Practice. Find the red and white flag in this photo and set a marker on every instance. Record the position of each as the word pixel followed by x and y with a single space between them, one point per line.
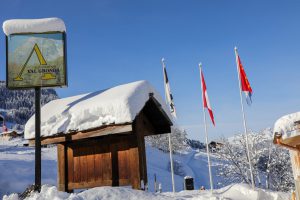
pixel 205 98
pixel 245 85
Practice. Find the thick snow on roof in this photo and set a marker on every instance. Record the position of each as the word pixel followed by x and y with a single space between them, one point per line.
pixel 285 125
pixel 33 25
pixel 117 105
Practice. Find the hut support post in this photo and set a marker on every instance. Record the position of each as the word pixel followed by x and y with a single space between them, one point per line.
pixel 142 159
pixel 134 168
pixel 140 130
pixel 62 166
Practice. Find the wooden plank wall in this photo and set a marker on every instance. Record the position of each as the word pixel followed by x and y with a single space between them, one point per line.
pixel 113 160
pixel 106 161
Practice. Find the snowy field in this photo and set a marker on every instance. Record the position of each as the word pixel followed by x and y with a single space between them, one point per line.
pixel 17 172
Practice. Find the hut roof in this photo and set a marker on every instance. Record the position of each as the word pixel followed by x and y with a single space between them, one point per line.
pixel 285 126
pixel 113 106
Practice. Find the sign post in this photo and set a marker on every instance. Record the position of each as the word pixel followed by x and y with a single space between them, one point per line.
pixel 38 156
pixel 35 58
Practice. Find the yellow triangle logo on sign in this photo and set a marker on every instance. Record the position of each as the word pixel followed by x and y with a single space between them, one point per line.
pixel 42 61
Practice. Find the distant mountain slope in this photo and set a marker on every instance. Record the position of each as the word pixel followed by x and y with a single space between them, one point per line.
pixel 17 106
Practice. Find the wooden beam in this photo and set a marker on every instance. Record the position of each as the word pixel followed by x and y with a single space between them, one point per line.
pixel 97 183
pixel 70 166
pixel 292 141
pixel 134 166
pixel 90 184
pixel 61 166
pixel 108 130
pixel 114 164
pixel 142 127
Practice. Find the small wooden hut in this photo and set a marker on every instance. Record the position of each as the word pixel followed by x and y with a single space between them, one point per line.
pixel 110 154
pixel 215 146
pixel 287 135
pixel 8 135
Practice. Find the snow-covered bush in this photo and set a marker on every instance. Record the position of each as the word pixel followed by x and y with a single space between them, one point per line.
pixel 271 164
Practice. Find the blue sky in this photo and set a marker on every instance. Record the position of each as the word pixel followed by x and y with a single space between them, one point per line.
pixel 112 42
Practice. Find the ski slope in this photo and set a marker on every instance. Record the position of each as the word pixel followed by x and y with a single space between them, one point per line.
pixel 193 163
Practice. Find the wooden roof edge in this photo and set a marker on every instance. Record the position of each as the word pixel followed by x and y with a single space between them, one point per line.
pixel 291 143
pixel 95 132
pixel 159 106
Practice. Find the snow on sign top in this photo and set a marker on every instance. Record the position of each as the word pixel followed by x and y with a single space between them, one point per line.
pixel 33 25
pixel 117 105
pixel 285 125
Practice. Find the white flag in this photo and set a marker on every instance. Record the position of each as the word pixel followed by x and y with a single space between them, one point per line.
pixel 168 93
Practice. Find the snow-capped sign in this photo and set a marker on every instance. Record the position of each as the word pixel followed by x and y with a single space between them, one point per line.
pixel 35 53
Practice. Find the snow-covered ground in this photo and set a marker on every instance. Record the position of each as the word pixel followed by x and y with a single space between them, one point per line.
pixel 231 192
pixel 193 163
pixel 17 166
pixel 17 172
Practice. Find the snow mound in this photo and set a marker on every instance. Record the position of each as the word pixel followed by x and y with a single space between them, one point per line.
pixel 232 192
pixel 33 25
pixel 285 125
pixel 117 105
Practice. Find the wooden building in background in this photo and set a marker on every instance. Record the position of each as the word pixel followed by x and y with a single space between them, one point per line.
pixel 112 155
pixel 9 135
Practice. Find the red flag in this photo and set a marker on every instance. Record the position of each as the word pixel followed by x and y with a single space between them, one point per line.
pixel 245 85
pixel 205 98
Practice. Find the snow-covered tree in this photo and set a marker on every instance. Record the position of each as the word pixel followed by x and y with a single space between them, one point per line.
pixel 178 139
pixel 271 164
pixel 17 106
pixel 195 144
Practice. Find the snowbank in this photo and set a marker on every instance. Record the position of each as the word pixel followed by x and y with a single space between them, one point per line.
pixel 232 192
pixel 33 25
pixel 285 125
pixel 117 105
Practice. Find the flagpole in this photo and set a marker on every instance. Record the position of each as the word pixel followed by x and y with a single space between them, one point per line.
pixel 169 135
pixel 244 120
pixel 206 136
